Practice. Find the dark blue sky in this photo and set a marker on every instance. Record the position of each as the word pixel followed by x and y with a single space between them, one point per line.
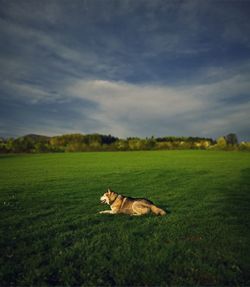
pixel 125 67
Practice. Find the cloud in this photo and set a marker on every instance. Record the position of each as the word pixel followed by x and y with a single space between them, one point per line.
pixel 28 92
pixel 189 109
pixel 131 99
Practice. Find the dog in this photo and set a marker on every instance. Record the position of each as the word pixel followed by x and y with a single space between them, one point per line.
pixel 128 205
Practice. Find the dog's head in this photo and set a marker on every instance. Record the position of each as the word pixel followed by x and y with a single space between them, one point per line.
pixel 108 197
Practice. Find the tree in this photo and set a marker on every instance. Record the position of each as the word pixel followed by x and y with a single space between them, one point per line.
pixel 244 146
pixel 40 147
pixel 95 145
pixel 3 148
pixel 221 143
pixel 150 143
pixel 76 146
pixel 121 145
pixel 163 145
pixel 231 139
pixel 136 144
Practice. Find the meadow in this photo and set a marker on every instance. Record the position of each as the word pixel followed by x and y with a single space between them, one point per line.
pixel 52 233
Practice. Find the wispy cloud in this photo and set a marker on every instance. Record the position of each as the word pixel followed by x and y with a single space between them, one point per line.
pixel 130 105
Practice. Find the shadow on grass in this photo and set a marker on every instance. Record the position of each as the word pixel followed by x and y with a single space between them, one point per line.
pixel 237 212
pixel 238 200
pixel 7 156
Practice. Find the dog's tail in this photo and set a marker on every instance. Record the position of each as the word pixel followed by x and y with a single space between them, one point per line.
pixel 158 211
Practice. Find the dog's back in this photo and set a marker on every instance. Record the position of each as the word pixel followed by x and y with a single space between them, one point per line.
pixel 139 206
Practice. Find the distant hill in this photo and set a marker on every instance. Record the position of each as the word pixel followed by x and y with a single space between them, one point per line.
pixel 35 138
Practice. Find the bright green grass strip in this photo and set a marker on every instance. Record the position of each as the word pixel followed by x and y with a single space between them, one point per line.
pixel 51 233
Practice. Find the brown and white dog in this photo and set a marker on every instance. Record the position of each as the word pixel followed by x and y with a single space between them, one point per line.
pixel 128 205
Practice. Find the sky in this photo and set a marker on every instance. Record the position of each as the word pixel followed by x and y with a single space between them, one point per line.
pixel 125 67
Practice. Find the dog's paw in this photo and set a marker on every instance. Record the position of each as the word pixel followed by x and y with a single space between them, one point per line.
pixel 100 212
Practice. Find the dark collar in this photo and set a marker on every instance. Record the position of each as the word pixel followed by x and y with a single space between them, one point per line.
pixel 113 201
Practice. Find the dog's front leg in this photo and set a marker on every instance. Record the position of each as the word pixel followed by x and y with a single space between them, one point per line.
pixel 107 211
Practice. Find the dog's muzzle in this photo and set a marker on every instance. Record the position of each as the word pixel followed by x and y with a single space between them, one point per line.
pixel 103 199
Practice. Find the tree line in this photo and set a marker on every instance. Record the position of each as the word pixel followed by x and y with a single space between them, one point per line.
pixel 96 142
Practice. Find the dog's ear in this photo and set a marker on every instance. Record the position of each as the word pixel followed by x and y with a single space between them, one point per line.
pixel 109 190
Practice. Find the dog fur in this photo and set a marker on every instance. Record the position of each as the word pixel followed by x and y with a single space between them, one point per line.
pixel 128 205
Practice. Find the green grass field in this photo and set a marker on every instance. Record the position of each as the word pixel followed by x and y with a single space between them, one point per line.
pixel 52 234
